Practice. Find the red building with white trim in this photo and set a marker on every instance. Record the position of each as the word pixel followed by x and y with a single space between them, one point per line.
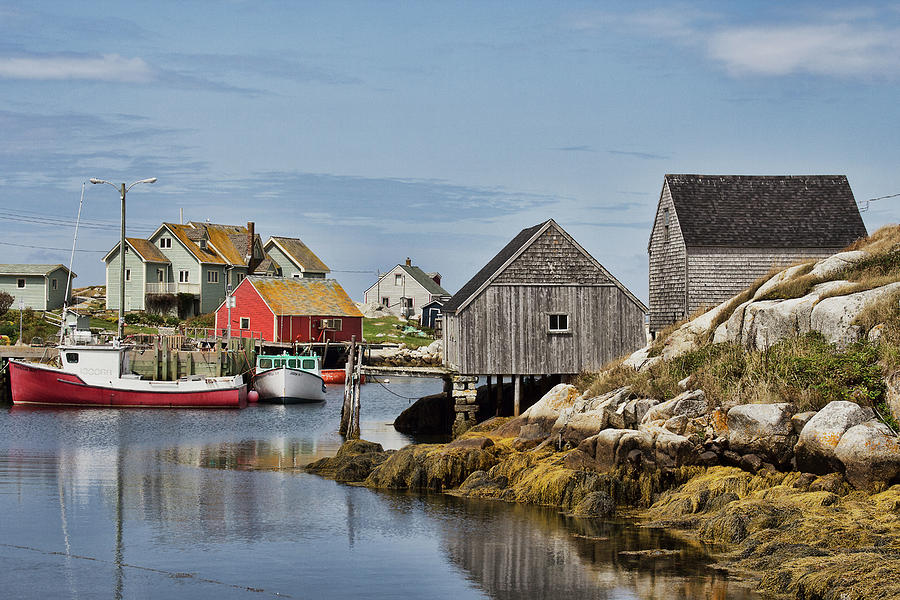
pixel 291 310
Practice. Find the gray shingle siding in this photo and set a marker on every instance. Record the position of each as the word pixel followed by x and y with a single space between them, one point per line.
pixel 668 267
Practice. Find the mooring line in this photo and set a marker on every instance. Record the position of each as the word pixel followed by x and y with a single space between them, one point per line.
pixel 173 575
pixel 390 390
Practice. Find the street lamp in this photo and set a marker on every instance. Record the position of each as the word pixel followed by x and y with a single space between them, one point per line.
pixel 122 191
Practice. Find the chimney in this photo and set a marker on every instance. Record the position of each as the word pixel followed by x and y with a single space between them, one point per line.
pixel 251 236
pixel 408 262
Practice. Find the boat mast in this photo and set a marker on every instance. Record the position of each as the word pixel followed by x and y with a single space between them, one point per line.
pixel 62 323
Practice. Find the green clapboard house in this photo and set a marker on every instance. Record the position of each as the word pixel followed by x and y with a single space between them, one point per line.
pixel 41 287
pixel 193 263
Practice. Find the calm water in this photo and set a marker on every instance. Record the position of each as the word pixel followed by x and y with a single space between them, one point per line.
pixel 184 504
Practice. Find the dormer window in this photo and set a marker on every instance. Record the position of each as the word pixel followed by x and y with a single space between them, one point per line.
pixel 203 244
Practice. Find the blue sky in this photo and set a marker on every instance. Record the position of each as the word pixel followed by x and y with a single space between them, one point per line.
pixel 435 130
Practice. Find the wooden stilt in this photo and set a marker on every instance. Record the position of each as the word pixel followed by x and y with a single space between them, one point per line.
pixel 517 394
pixel 499 395
pixel 346 407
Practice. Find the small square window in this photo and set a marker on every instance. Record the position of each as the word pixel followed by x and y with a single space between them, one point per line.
pixel 245 322
pixel 559 323
pixel 212 277
pixel 20 283
pixel 183 276
pixel 165 242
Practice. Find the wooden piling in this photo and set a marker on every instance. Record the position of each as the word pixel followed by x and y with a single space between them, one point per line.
pixel 346 407
pixel 517 394
pixel 354 416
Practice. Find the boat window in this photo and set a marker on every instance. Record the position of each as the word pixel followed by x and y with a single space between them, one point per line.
pixel 309 364
pixel 71 357
pixel 265 363
pixel 279 362
pixel 292 364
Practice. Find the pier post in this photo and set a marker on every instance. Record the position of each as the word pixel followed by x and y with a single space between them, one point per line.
pixel 517 394
pixel 465 403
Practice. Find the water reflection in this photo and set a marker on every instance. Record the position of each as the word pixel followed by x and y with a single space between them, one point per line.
pixel 209 505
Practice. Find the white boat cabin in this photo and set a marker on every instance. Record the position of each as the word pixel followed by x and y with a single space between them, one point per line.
pixel 97 364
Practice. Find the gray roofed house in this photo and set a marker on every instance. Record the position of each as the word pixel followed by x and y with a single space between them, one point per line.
pixel 295 258
pixel 405 289
pixel 41 287
pixel 713 235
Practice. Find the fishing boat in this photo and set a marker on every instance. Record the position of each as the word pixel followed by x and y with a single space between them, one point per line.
pixel 100 375
pixel 287 379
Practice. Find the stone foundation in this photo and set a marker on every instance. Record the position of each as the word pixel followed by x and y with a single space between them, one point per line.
pixel 465 403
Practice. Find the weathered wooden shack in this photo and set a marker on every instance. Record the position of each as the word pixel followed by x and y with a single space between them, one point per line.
pixel 713 235
pixel 542 306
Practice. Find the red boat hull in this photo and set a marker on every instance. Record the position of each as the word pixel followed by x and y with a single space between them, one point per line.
pixel 37 385
pixel 337 376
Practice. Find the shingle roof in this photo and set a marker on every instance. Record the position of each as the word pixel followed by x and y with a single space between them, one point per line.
pixel 491 267
pixel 430 285
pixel 183 233
pixel 312 297
pixel 24 269
pixel 300 254
pixel 790 211
pixel 147 250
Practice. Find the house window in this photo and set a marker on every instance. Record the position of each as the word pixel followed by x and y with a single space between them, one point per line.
pixel 165 242
pixel 20 283
pixel 240 277
pixel 559 323
pixel 398 279
pixel 665 224
pixel 297 275
pixel 127 274
pixel 385 301
pixel 245 322
pixel 212 277
pixel 406 302
pixel 160 275
pixel 54 284
pixel 183 276
pixel 334 324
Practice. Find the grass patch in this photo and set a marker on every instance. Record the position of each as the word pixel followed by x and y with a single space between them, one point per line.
pixel 807 371
pixel 389 330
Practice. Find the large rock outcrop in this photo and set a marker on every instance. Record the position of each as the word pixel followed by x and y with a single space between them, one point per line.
pixel 822 433
pixel 765 430
pixel 870 453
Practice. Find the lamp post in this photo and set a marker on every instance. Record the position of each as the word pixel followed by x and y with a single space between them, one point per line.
pixel 122 191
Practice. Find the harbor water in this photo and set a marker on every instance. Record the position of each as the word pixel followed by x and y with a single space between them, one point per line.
pixel 98 503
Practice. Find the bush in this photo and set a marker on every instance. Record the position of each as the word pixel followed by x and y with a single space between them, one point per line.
pixel 6 300
pixel 153 319
pixel 173 321
pixel 133 318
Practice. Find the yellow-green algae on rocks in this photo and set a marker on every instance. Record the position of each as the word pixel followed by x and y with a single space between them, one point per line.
pixel 799 535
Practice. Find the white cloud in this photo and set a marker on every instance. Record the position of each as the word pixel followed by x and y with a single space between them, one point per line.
pixel 107 67
pixel 832 50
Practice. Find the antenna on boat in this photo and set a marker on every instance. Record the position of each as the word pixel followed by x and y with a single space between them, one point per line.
pixel 68 290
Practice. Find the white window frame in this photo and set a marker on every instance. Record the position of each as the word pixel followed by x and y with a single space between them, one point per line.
pixel 160 276
pixel 385 301
pixel 20 283
pixel 212 276
pixel 297 275
pixel 245 323
pixel 554 324
pixel 165 242
pixel 398 279
pixel 184 276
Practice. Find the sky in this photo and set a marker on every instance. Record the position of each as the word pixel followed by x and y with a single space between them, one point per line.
pixel 376 131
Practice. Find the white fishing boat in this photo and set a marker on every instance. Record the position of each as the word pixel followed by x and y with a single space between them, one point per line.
pixel 286 379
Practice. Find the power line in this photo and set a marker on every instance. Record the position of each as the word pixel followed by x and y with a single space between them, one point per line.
pixel 49 248
pixel 865 207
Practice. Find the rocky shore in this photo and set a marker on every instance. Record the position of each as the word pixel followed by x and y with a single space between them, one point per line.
pixel 790 494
